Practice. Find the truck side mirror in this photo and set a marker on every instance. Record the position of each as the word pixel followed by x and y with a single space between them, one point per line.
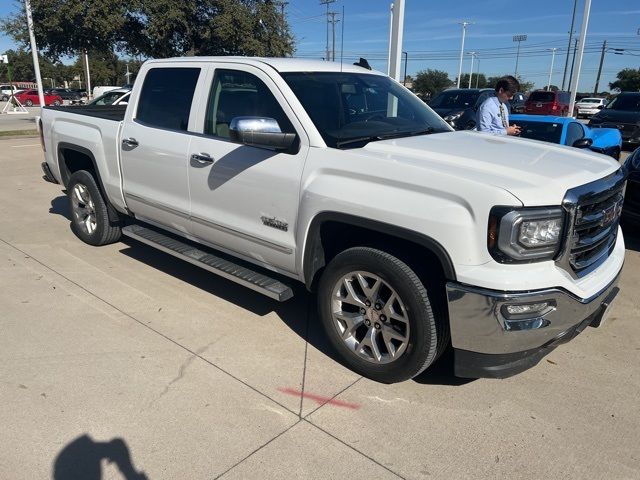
pixel 583 143
pixel 260 132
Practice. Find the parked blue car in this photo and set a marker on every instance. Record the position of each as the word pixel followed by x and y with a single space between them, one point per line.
pixel 568 131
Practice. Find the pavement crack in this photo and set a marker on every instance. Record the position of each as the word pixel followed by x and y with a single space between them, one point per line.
pixel 181 371
pixel 306 350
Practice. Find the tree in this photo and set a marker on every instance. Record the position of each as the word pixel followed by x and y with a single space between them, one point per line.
pixel 431 82
pixel 155 28
pixel 628 80
pixel 21 63
pixel 69 27
pixel 479 79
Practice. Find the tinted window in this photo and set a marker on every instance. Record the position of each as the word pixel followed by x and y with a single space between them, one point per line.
pixel 455 99
pixel 628 102
pixel 574 132
pixel 350 109
pixel 545 131
pixel 542 97
pixel 240 94
pixel 165 99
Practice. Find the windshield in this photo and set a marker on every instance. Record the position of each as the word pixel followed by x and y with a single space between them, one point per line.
pixel 346 107
pixel 107 99
pixel 455 99
pixel 545 131
pixel 629 103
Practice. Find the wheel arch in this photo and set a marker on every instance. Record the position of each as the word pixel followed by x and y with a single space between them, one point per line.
pixel 72 158
pixel 321 245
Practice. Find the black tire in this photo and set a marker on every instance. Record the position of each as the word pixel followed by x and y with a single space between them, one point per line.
pixel 428 336
pixel 105 231
pixel 616 154
pixel 28 103
pixel 57 103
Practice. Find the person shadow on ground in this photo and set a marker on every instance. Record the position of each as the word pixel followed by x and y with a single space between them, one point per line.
pixel 82 459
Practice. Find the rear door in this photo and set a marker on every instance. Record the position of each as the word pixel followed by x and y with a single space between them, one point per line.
pixel 245 199
pixel 156 141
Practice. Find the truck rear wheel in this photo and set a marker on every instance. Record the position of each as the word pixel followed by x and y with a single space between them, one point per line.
pixel 89 218
pixel 378 317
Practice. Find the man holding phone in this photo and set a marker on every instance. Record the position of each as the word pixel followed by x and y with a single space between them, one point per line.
pixel 493 114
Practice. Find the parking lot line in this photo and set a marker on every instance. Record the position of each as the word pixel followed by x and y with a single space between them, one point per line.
pixel 30 145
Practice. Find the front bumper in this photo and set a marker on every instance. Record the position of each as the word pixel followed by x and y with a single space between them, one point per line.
pixel 488 344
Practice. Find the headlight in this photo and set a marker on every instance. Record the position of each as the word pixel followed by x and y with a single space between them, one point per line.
pixel 453 116
pixel 525 234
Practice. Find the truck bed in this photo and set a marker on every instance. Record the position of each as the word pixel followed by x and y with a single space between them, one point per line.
pixel 107 112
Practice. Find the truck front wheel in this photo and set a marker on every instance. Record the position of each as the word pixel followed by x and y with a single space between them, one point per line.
pixel 89 218
pixel 378 317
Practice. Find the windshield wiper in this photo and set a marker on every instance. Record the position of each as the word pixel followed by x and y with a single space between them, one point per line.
pixel 373 138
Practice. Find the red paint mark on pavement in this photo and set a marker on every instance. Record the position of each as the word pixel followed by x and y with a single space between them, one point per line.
pixel 319 399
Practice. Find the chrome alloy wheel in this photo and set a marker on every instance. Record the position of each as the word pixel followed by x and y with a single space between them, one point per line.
pixel 370 317
pixel 84 213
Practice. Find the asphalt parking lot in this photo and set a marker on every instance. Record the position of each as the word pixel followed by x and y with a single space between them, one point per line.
pixel 122 360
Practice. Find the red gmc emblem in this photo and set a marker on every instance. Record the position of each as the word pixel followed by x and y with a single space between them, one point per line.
pixel 611 213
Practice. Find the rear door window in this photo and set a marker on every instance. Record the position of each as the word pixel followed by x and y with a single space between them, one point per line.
pixel 166 97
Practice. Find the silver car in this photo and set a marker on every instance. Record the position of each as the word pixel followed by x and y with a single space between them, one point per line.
pixel 589 106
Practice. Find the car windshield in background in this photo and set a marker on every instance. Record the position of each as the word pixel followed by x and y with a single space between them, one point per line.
pixel 352 109
pixel 107 99
pixel 629 103
pixel 455 99
pixel 545 131
pixel 542 97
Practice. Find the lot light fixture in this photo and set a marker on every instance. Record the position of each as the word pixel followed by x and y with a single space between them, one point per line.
pixel 519 39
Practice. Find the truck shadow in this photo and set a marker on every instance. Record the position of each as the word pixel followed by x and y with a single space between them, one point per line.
pixel 60 206
pixel 632 238
pixel 82 459
pixel 299 313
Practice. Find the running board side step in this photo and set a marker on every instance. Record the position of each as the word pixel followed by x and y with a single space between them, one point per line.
pixel 258 282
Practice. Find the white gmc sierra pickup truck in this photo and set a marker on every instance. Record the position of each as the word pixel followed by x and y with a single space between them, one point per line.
pixel 414 237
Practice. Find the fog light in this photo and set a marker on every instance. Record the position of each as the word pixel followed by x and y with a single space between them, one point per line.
pixel 531 309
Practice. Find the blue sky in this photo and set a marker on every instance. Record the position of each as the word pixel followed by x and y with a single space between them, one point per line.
pixel 432 34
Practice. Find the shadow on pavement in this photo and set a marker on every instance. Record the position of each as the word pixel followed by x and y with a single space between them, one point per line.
pixel 82 459
pixel 631 237
pixel 299 313
pixel 60 206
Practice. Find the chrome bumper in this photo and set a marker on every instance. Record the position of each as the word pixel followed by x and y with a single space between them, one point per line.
pixel 479 320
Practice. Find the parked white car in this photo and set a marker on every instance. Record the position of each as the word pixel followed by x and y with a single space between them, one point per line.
pixel 5 91
pixel 414 237
pixel 589 106
pixel 99 91
pixel 118 96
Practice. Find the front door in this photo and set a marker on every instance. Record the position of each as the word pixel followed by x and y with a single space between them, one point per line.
pixel 155 146
pixel 245 199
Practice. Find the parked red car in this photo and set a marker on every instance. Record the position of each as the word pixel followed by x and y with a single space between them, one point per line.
pixel 29 98
pixel 542 102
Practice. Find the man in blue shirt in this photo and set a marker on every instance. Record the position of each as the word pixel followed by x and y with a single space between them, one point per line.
pixel 493 115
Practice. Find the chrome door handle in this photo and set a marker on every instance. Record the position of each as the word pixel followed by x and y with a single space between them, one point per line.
pixel 202 158
pixel 129 142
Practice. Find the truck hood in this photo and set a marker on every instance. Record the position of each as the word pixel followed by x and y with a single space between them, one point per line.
pixel 537 173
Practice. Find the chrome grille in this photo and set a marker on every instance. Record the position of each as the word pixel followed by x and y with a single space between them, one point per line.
pixel 593 212
pixel 594 231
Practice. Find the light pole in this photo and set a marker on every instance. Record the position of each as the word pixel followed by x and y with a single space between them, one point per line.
pixel 478 72
pixel 327 2
pixel 519 39
pixel 583 35
pixel 406 60
pixel 617 51
pixel 464 32
pixel 473 55
pixel 553 57
pixel 566 62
